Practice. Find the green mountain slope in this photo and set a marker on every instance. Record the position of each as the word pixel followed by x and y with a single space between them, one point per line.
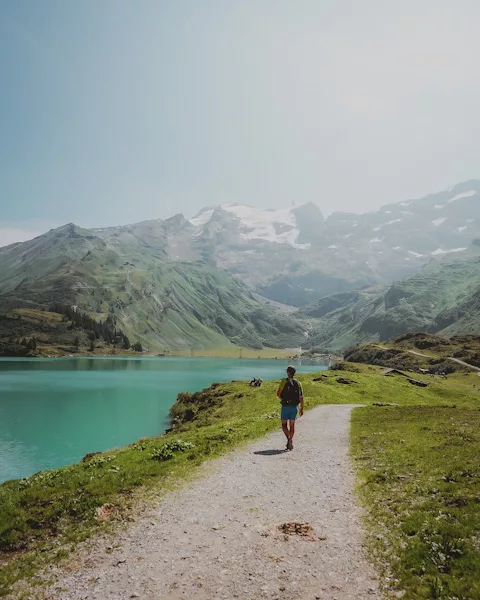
pixel 442 298
pixel 128 275
pixel 203 283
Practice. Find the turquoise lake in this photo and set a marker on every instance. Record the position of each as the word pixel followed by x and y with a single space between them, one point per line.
pixel 54 411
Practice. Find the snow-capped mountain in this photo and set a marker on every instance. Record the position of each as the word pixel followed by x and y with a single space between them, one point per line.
pixel 295 254
pixel 180 282
pixel 280 226
pixel 448 217
pixel 290 255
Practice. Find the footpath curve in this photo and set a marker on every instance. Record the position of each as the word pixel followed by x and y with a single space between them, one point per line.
pixel 457 360
pixel 218 538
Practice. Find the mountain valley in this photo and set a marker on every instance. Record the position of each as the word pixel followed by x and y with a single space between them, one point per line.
pixel 235 274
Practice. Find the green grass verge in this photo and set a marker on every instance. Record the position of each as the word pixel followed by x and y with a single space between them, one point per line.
pixel 43 516
pixel 419 473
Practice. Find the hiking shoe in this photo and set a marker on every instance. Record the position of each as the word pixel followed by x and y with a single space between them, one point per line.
pixel 290 444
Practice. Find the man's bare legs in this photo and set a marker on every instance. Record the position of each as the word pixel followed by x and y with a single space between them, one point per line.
pixel 291 424
pixel 289 431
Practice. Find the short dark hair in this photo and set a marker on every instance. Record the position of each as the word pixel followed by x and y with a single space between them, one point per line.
pixel 291 369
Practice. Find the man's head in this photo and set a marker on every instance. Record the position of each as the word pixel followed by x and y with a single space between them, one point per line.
pixel 291 370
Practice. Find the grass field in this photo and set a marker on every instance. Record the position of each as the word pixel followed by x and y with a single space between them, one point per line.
pixel 54 339
pixel 237 352
pixel 419 472
pixel 416 351
pixel 32 315
pixel 402 453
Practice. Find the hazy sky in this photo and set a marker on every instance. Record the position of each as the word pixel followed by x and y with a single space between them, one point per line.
pixel 113 111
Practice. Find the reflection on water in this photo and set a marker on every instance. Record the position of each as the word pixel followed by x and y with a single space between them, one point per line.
pixel 53 412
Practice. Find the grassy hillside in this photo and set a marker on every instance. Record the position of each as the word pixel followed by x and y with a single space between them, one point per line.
pixel 421 351
pixel 31 332
pixel 408 479
pixel 443 298
pixel 163 304
pixel 167 296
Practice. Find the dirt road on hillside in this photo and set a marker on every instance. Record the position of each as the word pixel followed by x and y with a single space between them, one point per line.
pixel 218 537
pixel 457 360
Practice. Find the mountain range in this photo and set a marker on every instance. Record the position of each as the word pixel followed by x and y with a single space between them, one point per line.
pixel 236 274
pixel 310 257
pixel 443 298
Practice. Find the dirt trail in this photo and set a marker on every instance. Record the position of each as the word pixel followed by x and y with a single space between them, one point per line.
pixel 465 364
pixel 218 537
pixel 457 360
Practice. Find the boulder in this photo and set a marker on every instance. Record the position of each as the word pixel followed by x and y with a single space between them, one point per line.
pixel 415 382
pixel 346 381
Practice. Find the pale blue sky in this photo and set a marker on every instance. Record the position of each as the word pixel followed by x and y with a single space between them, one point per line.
pixel 113 111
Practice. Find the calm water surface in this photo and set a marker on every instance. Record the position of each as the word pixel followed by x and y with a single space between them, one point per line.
pixel 53 412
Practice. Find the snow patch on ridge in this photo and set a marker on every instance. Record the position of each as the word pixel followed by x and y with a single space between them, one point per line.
pixel 439 251
pixel 261 224
pixel 202 218
pixel 464 195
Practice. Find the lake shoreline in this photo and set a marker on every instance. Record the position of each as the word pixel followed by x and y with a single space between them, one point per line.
pixel 94 403
pixel 240 354
pixel 265 353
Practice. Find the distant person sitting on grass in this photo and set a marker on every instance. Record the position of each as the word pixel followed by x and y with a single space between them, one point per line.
pixel 291 395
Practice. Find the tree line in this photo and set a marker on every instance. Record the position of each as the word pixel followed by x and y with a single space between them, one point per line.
pixel 96 330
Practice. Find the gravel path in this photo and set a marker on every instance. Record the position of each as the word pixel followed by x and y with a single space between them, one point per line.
pixel 218 537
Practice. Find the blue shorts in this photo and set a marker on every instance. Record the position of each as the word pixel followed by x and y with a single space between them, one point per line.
pixel 289 413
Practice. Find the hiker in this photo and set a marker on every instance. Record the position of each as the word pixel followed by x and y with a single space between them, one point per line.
pixel 290 394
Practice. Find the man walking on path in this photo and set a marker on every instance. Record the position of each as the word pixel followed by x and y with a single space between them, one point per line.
pixel 291 395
